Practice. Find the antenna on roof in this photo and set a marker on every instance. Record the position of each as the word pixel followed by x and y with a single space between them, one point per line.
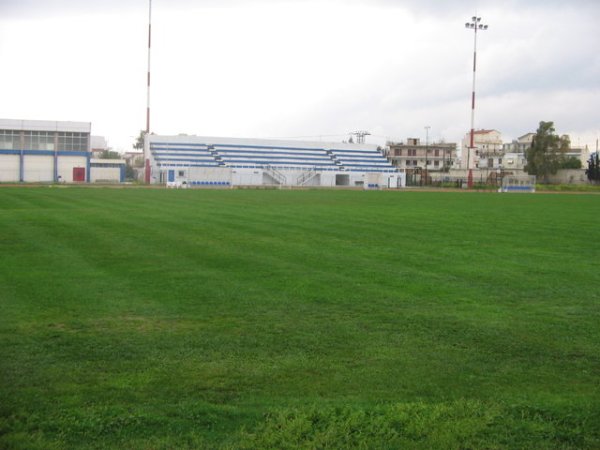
pixel 360 136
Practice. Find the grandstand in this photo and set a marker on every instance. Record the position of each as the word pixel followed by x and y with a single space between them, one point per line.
pixel 194 161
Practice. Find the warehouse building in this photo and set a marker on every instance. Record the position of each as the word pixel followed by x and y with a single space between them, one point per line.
pixel 39 151
pixel 194 161
pixel 44 151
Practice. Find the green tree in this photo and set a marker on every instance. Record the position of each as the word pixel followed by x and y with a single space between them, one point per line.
pixel 546 153
pixel 593 170
pixel 129 173
pixel 109 154
pixel 139 141
pixel 571 162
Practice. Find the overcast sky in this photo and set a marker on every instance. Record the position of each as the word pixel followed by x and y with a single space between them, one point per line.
pixel 303 68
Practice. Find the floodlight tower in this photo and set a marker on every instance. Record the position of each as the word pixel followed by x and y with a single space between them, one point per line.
pixel 149 47
pixel 147 168
pixel 474 25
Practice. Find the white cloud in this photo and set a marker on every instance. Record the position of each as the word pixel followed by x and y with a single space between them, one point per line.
pixel 298 68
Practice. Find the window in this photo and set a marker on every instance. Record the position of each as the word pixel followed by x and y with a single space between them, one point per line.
pixel 398 152
pixel 436 163
pixel 437 153
pixel 77 142
pixel 10 140
pixel 181 173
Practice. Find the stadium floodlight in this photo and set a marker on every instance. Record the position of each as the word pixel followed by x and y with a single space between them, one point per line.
pixel 147 163
pixel 474 25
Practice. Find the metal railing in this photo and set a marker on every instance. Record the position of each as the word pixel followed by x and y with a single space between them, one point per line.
pixel 306 177
pixel 279 177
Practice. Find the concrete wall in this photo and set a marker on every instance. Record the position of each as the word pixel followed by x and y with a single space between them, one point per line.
pixel 66 165
pixel 105 174
pixel 198 176
pixel 9 168
pixel 570 176
pixel 246 177
pixel 38 168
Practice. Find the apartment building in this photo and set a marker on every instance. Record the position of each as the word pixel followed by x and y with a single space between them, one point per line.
pixel 413 154
pixel 487 150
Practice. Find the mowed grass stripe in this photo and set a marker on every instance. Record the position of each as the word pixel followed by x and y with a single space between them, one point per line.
pixel 161 318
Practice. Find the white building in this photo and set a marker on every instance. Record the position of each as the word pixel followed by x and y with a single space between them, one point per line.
pixel 40 151
pixel 195 161
pixel 514 161
pixel 519 145
pixel 44 151
pixel 580 153
pixel 414 154
pixel 486 152
pixel 107 170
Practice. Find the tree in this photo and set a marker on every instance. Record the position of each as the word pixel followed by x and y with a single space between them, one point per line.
pixel 129 173
pixel 546 153
pixel 571 162
pixel 139 141
pixel 109 154
pixel 593 170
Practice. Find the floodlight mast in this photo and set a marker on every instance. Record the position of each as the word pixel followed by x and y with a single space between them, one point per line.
pixel 147 165
pixel 474 25
pixel 149 47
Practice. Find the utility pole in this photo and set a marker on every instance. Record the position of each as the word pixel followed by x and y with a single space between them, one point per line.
pixel 474 25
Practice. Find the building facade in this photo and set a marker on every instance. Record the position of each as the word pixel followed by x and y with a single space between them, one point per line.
pixel 107 170
pixel 44 151
pixel 487 151
pixel 413 154
pixel 519 145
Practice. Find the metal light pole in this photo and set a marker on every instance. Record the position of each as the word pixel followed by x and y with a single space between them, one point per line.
pixel 147 168
pixel 149 46
pixel 474 25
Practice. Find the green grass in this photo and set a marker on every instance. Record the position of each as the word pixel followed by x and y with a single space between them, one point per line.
pixel 151 319
pixel 568 187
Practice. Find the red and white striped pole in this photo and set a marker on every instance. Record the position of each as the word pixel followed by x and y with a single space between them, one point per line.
pixel 147 171
pixel 475 25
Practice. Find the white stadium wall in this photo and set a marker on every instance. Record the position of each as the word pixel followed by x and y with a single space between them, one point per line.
pixel 244 177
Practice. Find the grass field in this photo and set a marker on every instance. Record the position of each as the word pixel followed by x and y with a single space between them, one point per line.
pixel 158 319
